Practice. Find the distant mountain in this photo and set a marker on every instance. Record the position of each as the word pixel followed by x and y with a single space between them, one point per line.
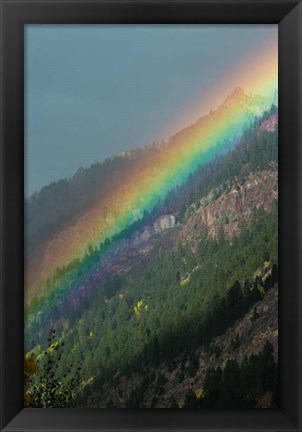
pixel 68 215
pixel 244 107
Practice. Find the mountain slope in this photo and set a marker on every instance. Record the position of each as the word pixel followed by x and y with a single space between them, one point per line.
pixel 237 201
pixel 167 288
pixel 99 202
pixel 246 337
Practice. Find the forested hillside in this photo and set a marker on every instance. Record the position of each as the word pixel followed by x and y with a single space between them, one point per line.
pixel 141 310
pixel 65 216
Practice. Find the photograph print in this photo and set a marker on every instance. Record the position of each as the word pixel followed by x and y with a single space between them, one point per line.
pixel 151 216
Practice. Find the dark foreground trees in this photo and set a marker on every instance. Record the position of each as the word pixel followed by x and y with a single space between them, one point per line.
pixel 43 387
pixel 253 384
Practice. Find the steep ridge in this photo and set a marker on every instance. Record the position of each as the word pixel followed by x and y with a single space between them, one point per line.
pixel 153 173
pixel 236 206
pixel 231 204
pixel 176 291
pixel 231 210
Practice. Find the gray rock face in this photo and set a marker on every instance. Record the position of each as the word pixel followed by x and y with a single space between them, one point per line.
pixel 163 223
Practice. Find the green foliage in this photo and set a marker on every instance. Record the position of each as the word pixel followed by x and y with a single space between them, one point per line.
pixel 47 390
pixel 55 206
pixel 241 386
pixel 178 319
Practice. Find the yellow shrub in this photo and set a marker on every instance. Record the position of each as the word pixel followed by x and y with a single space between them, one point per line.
pixel 140 307
pixel 184 282
pixel 261 289
pixel 199 394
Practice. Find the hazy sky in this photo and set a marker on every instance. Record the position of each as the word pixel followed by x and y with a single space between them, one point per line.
pixel 94 91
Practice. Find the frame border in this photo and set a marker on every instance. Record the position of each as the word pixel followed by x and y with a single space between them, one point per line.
pixel 14 14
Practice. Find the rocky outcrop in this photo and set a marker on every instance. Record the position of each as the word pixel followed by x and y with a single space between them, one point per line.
pixel 229 210
pixel 234 207
pixel 269 125
pixel 128 255
pixel 163 223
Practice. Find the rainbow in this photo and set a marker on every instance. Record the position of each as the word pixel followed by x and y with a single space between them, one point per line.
pixel 153 177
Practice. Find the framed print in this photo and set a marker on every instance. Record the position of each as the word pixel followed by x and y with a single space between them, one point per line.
pixel 150 215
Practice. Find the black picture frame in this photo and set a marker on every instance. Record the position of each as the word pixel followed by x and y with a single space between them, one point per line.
pixel 14 14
